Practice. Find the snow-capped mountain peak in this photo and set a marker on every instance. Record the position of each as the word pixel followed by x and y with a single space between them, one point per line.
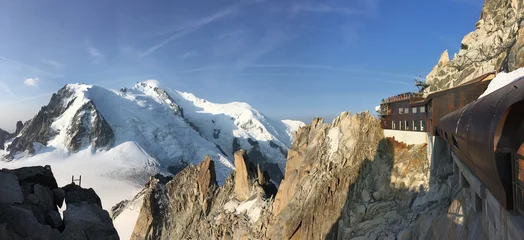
pixel 117 139
pixel 169 128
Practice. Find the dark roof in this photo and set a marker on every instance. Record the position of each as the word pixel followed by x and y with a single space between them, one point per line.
pixel 485 77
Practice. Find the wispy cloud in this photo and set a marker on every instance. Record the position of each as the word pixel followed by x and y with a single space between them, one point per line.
pixel 187 55
pixel 472 2
pixel 95 54
pixel 52 63
pixel 7 90
pixel 323 7
pixel 331 68
pixel 229 34
pixel 21 64
pixel 355 7
pixel 37 70
pixel 191 27
pixel 18 100
pixel 301 66
pixel 196 70
pixel 32 82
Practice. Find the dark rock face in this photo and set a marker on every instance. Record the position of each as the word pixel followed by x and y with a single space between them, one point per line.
pixel 76 194
pixel 19 127
pixel 4 136
pixel 28 208
pixel 35 175
pixel 207 182
pixel 38 129
pixel 257 158
pixel 89 127
pixel 10 191
pixel 165 96
pixel 118 208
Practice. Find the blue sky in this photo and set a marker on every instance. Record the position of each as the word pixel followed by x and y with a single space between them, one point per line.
pixel 291 59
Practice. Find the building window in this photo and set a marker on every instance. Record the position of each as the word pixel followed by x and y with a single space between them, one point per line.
pixel 422 125
pixel 400 110
pixel 392 124
pixel 423 109
pixel 407 125
pixel 414 110
pixel 414 126
pixel 406 110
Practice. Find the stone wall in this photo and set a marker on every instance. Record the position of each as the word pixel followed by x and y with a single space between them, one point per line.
pixel 408 137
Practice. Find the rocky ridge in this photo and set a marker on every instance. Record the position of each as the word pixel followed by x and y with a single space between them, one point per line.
pixel 342 181
pixel 29 201
pixel 495 45
pixel 88 126
pixel 6 136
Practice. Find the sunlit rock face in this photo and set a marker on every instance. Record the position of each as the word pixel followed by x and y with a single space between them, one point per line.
pixel 345 180
pixel 495 45
pixel 342 180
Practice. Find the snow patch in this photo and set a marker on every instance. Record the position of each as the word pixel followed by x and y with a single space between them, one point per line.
pixel 333 140
pixel 153 83
pixel 502 79
pixel 236 121
pixel 252 208
pixel 126 220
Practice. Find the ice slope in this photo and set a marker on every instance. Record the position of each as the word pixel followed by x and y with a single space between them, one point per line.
pixel 225 123
pixel 502 79
pixel 142 116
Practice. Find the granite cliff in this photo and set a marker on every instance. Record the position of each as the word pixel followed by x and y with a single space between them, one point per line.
pixel 495 45
pixel 342 181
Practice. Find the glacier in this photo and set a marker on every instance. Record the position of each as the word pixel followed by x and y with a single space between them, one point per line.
pixel 154 130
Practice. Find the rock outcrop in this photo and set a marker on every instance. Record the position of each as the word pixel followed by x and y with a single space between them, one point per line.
pixel 495 45
pixel 343 180
pixel 39 128
pixel 89 128
pixel 29 201
pixel 243 180
pixel 5 136
pixel 191 206
pixel 19 127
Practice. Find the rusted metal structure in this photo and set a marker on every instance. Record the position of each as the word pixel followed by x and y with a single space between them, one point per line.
pixel 414 112
pixel 445 101
pixel 488 136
